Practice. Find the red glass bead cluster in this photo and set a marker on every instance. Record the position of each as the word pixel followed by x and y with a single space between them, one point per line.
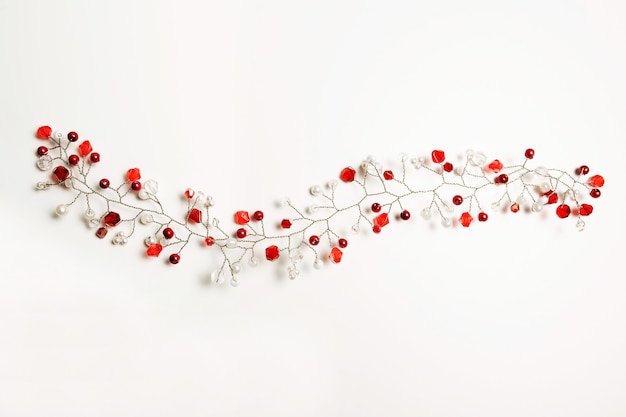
pixel 386 196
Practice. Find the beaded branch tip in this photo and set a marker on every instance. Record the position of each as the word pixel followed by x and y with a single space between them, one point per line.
pixel 452 194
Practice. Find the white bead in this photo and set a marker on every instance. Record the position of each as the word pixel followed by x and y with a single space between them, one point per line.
pixel 295 256
pixel 313 208
pixel 215 276
pixel 231 243
pixel 293 271
pixel 89 213
pixel 425 213
pixel 541 171
pixel 445 222
pixel 151 186
pixel 61 210
pixel 146 218
pixel 235 268
pixel 544 187
pixel 413 161
pixel 58 135
pixel 150 240
pixel 315 190
pixel 69 183
pixel 537 206
pixel 318 264
pixel 94 223
pixel 44 163
pixel 209 202
pixel 477 159
pixel 143 194
pixel 200 196
pixel 234 282
pixel 253 261
pixel 356 228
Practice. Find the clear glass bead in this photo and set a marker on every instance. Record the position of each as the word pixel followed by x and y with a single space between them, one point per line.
pixel 44 163
pixel 295 256
pixel 478 159
pixel 94 223
pixel 580 225
pixel 151 186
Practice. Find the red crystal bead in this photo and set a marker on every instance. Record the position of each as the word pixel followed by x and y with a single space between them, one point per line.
pixel 101 232
pixel 457 200
pixel 347 174
pixel 388 175
pixel 495 166
pixel 466 219
pixel 258 215
pixel 85 148
pixel 60 173
pixel 104 183
pixel 514 207
pixel 72 136
pixel 482 216
pixel 405 215
pixel 381 220
pixel 314 240
pixel 189 193
pixel 582 170
pixel 376 228
pixel 448 167
pixel 596 181
pixel 168 233
pixel 553 198
pixel 133 174
pixel 242 217
pixel 272 253
pixel 210 240
pixel 376 207
pixel 335 255
pixel 285 224
pixel 342 243
pixel 135 185
pixel 195 216
pixel 73 159
pixel 563 211
pixel 112 218
pixel 502 179
pixel 241 233
pixel 585 209
pixel 44 132
pixel 174 258
pixel 42 150
pixel 438 156
pixel 595 193
pixel 94 157
pixel 530 153
pixel 154 249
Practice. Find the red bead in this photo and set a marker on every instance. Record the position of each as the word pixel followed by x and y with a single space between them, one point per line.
pixel 585 209
pixel 457 200
pixel 133 174
pixel 60 173
pixel 154 249
pixel 189 193
pixel 466 219
pixel 210 240
pixel 135 185
pixel 438 156
pixel 342 243
pixel 502 179
pixel 376 228
pixel 595 193
pixel 405 215
pixel 563 211
pixel 285 224
pixel 448 167
pixel 495 166
pixel 347 174
pixel 101 232
pixel 104 183
pixel 335 255
pixel 553 198
pixel 94 157
pixel 314 240
pixel 272 253
pixel 482 216
pixel 174 258
pixel 388 175
pixel 44 132
pixel 514 207
pixel 376 207
pixel 596 181
pixel 168 233
pixel 42 150
pixel 582 170
pixel 73 159
pixel 530 153
pixel 85 148
pixel 72 136
pixel 381 220
pixel 112 219
pixel 241 233
pixel 242 217
pixel 195 216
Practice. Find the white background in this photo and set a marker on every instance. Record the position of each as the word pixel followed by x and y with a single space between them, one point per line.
pixel 254 100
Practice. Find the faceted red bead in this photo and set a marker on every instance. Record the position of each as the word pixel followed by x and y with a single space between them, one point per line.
pixel 342 243
pixel 376 207
pixel 168 233
pixel 133 174
pixel 73 159
pixel 285 224
pixel 242 217
pixel 94 157
pixel 195 216
pixel 457 200
pixel 154 249
pixel 405 215
pixel 466 219
pixel 563 211
pixel 189 193
pixel 85 148
pixel 42 150
pixel 530 153
pixel 101 232
pixel 585 209
pixel 438 156
pixel 174 258
pixel 314 240
pixel 44 132
pixel 582 170
pixel 210 240
pixel 112 218
pixel 272 253
pixel 347 174
pixel 376 228
pixel 335 255
pixel 60 173
pixel 495 166
pixel 104 183
pixel 135 185
pixel 502 179
pixel 388 175
pixel 72 136
pixel 553 198
pixel 595 193
pixel 381 220
pixel 514 207
pixel 482 216
pixel 241 233
pixel 258 215
pixel 596 181
pixel 448 167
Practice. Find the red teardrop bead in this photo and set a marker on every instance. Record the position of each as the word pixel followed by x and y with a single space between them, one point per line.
pixel 195 216
pixel 563 211
pixel 44 132
pixel 347 174
pixel 596 181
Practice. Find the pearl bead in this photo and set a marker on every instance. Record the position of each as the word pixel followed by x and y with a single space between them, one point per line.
pixel 544 187
pixel 425 213
pixel 231 243
pixel 537 206
pixel 143 194
pixel 313 208
pixel 215 277
pixel 234 282
pixel 58 135
pixel 315 190
pixel 235 268
pixel 89 213
pixel 318 264
pixel 253 261
pixel 445 222
pixel 146 218
pixel 61 210
pixel 150 240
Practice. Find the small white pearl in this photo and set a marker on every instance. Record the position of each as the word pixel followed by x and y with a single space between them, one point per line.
pixel 146 218
pixel 253 262
pixel 544 187
pixel 445 222
pixel 313 208
pixel 315 190
pixel 89 213
pixel 234 282
pixel 58 135
pixel 231 243
pixel 235 268
pixel 318 264
pixel 150 240
pixel 69 183
pixel 61 210
pixel 537 206
pixel 425 213
pixel 215 277
pixel 143 194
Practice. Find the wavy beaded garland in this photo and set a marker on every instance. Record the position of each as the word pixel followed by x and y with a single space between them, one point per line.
pixel 382 196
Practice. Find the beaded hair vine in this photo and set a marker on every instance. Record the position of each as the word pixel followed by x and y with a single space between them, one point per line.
pixel 382 196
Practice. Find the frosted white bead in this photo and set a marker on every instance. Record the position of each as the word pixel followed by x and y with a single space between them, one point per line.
pixel 315 190
pixel 61 210
pixel 143 194
pixel 146 218
pixel 541 171
pixel 151 186
pixel 445 222
pixel 544 187
pixel 477 159
pixel 231 243
pixel 318 264
pixel 356 228
pixel 235 268
pixel 425 213
pixel 253 261
pixel 89 213
pixel 44 163
pixel 295 256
